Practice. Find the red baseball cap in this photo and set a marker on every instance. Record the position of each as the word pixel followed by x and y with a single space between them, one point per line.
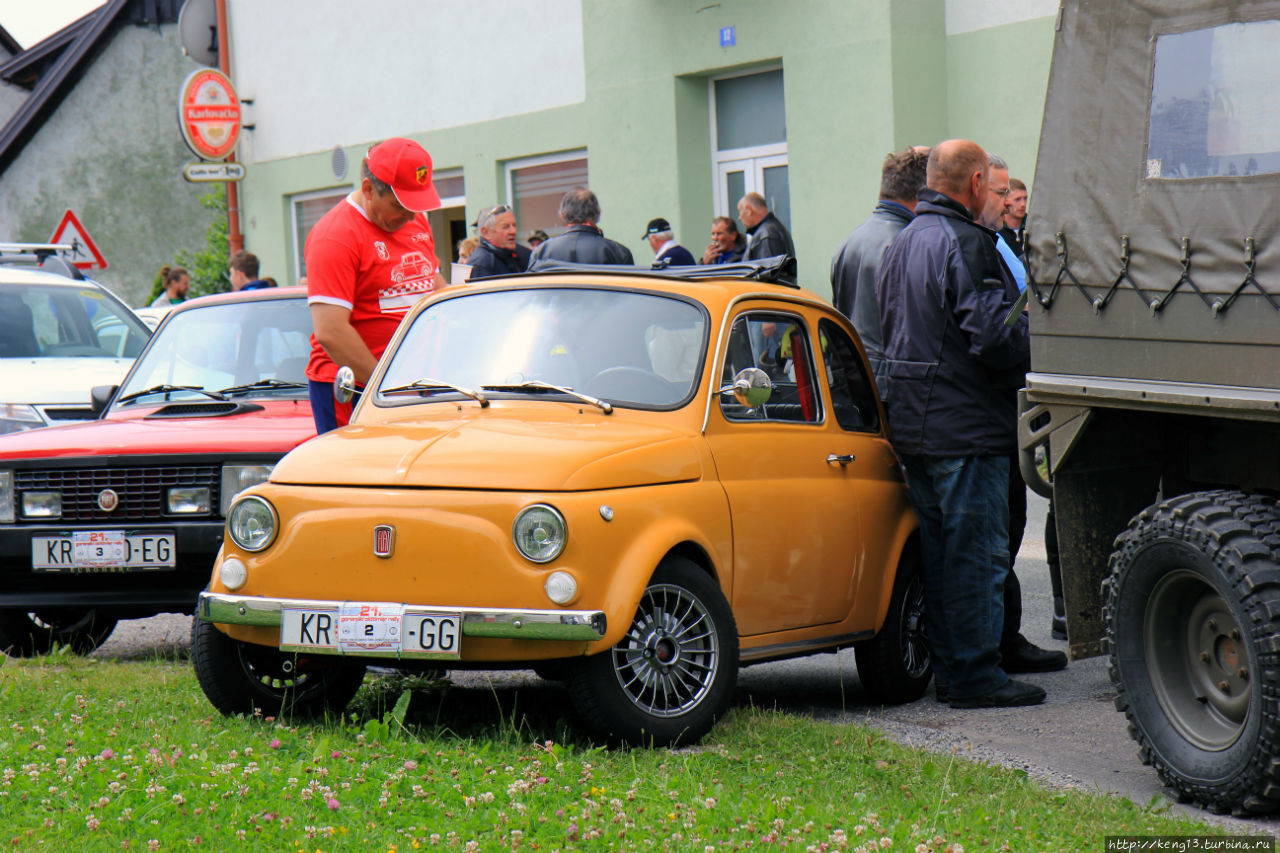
pixel 406 167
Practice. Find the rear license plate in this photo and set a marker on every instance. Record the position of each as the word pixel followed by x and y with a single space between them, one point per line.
pixel 372 629
pixel 103 550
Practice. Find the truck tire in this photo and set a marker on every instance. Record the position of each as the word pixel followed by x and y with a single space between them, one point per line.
pixel 1192 612
pixel 672 675
pixel 26 634
pixel 894 665
pixel 245 678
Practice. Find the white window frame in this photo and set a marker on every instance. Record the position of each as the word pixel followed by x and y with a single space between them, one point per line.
pixel 541 160
pixel 453 200
pixel 765 156
pixel 340 191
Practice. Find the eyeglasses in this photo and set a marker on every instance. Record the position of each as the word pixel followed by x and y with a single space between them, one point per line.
pixel 1004 193
pixel 487 215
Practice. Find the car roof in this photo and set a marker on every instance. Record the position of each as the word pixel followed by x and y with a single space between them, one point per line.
pixel 18 275
pixel 257 295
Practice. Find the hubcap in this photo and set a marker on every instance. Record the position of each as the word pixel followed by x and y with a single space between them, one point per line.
pixel 1198 660
pixel 915 649
pixel 669 658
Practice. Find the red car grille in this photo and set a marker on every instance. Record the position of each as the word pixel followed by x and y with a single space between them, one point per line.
pixel 141 491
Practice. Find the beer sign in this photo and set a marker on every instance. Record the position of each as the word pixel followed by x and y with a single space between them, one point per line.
pixel 209 114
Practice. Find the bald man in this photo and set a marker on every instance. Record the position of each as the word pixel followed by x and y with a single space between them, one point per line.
pixel 953 368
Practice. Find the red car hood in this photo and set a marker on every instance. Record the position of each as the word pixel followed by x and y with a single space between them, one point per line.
pixel 278 427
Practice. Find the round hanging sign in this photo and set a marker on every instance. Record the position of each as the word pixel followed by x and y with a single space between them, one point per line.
pixel 209 113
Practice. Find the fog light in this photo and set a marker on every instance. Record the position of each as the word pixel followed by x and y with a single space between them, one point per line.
pixel 561 587
pixel 41 504
pixel 232 573
pixel 189 500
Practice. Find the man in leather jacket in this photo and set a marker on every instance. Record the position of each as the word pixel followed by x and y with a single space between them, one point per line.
pixel 584 242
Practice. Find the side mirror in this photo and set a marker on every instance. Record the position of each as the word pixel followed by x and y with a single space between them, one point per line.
pixel 344 385
pixel 751 387
pixel 100 396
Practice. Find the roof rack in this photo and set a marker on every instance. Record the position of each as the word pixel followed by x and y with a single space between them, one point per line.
pixel 47 256
pixel 779 269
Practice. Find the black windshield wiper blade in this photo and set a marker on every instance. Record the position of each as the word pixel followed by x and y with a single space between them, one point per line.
pixel 538 386
pixel 261 384
pixel 165 389
pixel 427 385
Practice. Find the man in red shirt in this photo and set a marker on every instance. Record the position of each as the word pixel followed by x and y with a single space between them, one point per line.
pixel 368 260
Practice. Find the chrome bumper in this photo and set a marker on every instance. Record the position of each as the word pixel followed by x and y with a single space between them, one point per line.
pixel 569 625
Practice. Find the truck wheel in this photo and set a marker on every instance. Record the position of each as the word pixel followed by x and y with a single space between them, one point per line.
pixel 894 665
pixel 24 634
pixel 672 675
pixel 1190 603
pixel 245 678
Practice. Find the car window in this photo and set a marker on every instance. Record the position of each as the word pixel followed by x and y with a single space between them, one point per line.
pixel 634 349
pixel 778 344
pixel 853 398
pixel 66 322
pixel 222 346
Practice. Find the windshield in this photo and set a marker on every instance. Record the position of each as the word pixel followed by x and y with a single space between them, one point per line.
pixel 632 349
pixel 39 321
pixel 238 349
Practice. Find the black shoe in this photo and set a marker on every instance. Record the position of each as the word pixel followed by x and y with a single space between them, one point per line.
pixel 942 694
pixel 1013 694
pixel 1023 656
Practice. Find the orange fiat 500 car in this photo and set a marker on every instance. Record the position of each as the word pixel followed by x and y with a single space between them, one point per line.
pixel 638 480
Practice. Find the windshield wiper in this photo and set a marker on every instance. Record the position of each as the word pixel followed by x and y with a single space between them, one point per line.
pixel 427 385
pixel 261 384
pixel 539 386
pixel 165 389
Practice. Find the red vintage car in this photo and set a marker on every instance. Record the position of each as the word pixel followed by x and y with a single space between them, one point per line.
pixel 121 517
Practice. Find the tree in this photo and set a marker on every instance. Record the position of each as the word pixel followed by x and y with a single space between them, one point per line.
pixel 207 266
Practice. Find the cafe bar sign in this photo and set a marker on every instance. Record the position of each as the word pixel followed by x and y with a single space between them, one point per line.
pixel 209 114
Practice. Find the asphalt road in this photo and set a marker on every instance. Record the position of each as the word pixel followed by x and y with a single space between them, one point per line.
pixel 1076 739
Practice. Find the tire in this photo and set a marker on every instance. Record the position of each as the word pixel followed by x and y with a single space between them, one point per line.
pixel 894 666
pixel 25 634
pixel 246 678
pixel 1192 612
pixel 668 680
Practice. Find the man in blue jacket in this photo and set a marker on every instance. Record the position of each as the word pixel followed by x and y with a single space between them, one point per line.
pixel 953 367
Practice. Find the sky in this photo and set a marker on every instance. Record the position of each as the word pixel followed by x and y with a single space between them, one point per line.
pixel 29 21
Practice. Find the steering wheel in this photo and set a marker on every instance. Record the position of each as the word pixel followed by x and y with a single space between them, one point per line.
pixel 632 384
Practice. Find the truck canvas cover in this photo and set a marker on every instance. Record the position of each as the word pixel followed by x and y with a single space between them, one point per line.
pixel 1153 237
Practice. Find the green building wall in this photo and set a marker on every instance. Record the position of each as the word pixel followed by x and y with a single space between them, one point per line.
pixel 862 78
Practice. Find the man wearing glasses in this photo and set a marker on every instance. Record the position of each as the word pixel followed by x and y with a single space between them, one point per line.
pixel 993 217
pixel 498 252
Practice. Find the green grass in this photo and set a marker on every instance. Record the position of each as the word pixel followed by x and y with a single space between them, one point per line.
pixel 100 755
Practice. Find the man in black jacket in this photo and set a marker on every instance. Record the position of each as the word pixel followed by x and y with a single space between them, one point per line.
pixel 766 235
pixel 953 367
pixel 583 243
pixel 498 252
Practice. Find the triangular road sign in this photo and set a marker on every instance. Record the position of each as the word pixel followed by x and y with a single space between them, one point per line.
pixel 86 255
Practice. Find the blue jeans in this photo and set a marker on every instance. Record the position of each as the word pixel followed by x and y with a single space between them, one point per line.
pixel 963 506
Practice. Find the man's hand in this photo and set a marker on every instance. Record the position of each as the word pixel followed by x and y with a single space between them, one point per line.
pixel 712 252
pixel 342 343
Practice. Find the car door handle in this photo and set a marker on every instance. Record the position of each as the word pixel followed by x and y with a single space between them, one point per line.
pixel 843 458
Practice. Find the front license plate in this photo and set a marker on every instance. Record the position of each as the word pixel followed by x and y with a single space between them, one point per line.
pixel 372 629
pixel 102 550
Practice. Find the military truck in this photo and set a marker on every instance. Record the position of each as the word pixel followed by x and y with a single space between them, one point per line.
pixel 1154 258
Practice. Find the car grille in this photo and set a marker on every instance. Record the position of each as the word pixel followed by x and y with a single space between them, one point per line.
pixel 141 490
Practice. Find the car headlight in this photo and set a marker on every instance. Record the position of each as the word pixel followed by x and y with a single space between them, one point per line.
pixel 252 523
pixel 539 533
pixel 6 497
pixel 16 418
pixel 189 500
pixel 41 504
pixel 237 478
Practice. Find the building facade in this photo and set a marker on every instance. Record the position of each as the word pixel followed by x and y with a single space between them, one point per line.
pixel 667 108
